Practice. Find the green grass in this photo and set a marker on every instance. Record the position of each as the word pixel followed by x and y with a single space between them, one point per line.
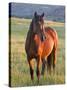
pixel 20 75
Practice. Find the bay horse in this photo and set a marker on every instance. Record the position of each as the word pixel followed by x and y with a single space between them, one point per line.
pixel 41 45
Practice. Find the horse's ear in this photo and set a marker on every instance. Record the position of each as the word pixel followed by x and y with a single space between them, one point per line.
pixel 35 14
pixel 42 15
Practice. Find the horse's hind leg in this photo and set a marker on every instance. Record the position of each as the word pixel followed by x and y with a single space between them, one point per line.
pixel 31 65
pixel 43 66
pixel 54 59
pixel 49 63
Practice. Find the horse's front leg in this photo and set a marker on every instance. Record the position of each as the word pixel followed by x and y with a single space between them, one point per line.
pixel 31 65
pixel 38 68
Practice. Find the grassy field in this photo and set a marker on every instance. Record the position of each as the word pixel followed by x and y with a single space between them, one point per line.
pixel 20 75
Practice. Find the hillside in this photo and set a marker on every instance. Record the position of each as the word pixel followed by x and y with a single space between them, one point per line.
pixel 52 12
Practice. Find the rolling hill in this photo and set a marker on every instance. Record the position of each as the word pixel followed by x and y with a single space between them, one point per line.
pixel 52 12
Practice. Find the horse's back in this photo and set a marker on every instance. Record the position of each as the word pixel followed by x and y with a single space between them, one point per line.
pixel 53 34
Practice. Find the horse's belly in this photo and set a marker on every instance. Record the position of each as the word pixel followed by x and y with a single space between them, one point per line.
pixel 47 47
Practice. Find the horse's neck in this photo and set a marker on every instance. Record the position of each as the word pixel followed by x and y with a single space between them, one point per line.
pixel 31 26
pixel 37 40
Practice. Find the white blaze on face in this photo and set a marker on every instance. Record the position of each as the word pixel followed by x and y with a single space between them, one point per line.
pixel 42 27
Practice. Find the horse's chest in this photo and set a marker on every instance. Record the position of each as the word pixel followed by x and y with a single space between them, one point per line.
pixel 32 49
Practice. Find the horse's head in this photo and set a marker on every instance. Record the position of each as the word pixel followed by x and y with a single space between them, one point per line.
pixel 38 23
